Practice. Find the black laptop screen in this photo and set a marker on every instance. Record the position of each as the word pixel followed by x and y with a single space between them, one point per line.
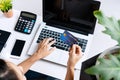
pixel 71 14
pixel 85 65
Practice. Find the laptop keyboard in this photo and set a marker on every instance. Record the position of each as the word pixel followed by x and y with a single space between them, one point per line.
pixel 45 33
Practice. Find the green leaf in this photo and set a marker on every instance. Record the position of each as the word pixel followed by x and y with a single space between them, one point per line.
pixel 112 26
pixel 107 69
pixel 6 5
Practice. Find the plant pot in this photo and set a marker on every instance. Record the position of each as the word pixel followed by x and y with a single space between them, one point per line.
pixel 112 50
pixel 8 14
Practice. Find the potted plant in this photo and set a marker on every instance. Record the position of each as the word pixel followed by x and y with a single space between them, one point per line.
pixel 6 7
pixel 108 63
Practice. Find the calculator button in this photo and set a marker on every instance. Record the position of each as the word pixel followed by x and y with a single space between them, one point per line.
pixel 27 27
pixel 25 30
pixel 33 20
pixel 29 31
pixel 30 28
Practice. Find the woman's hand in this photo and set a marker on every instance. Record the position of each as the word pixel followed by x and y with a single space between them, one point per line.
pixel 44 48
pixel 74 55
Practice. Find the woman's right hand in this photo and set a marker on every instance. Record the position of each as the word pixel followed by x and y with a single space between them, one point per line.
pixel 74 55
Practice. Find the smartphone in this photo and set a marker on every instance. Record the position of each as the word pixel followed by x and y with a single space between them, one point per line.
pixel 17 48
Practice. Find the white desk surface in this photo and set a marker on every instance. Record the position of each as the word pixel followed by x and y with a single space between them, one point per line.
pixel 99 44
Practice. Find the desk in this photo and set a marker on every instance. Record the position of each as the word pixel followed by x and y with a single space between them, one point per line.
pixel 42 66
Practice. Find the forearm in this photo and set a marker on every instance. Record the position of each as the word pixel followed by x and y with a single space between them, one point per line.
pixel 70 73
pixel 28 63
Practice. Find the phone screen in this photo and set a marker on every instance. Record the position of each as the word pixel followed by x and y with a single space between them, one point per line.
pixel 18 47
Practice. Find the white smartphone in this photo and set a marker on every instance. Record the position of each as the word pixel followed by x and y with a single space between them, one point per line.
pixel 17 49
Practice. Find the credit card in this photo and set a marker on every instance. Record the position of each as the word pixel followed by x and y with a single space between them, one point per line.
pixel 68 38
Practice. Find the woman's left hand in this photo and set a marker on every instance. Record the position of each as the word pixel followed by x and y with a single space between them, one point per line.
pixel 44 48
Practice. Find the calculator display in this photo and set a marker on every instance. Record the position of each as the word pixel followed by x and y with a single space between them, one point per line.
pixel 28 15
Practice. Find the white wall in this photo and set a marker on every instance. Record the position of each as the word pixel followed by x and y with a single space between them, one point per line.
pixel 34 6
pixel 110 7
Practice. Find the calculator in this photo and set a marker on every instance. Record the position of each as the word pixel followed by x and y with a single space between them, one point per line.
pixel 25 22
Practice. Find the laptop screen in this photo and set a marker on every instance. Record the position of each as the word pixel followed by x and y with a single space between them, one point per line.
pixel 87 64
pixel 74 15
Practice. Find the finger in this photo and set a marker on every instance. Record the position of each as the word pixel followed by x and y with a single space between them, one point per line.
pixel 52 49
pixel 52 42
pixel 48 40
pixel 40 43
pixel 43 41
pixel 78 49
pixel 72 49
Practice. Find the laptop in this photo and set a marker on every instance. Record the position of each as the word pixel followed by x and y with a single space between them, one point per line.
pixel 87 64
pixel 75 16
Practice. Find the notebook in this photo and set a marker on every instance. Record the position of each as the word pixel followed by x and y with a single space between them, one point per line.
pixel 75 16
